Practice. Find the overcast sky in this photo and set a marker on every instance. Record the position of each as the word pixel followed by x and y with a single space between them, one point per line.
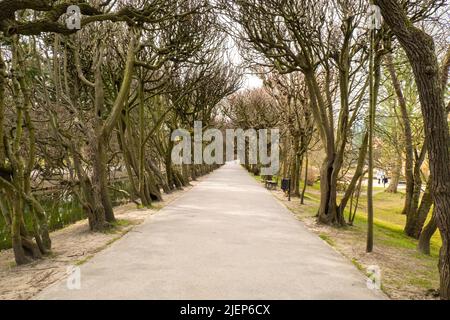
pixel 251 81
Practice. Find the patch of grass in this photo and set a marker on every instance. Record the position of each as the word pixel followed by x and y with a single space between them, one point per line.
pixel 358 265
pixel 258 178
pixel 51 254
pixel 118 225
pixel 388 233
pixel 391 234
pixel 84 260
pixel 420 282
pixel 327 239
pixel 123 223
pixel 112 241
pixel 312 196
pixel 315 186
pixel 311 211
pixel 157 206
pixel 387 206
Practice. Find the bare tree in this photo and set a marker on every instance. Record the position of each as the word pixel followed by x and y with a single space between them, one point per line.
pixel 420 50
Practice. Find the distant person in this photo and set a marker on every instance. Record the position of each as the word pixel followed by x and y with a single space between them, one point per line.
pixel 385 181
pixel 379 176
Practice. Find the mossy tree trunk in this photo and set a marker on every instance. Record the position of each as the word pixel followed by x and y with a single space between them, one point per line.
pixel 420 49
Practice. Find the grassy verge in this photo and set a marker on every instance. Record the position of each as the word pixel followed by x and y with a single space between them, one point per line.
pixel 406 274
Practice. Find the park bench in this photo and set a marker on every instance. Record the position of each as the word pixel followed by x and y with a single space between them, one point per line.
pixel 270 185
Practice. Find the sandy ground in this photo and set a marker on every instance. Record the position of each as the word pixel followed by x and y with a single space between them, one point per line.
pixel 401 268
pixel 71 246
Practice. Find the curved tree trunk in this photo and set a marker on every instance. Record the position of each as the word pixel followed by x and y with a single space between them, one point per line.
pixel 328 210
pixel 407 133
pixel 422 212
pixel 305 182
pixel 420 49
pixel 16 236
pixel 3 77
pixel 396 172
pixel 413 213
pixel 427 233
pixel 357 175
pixel 99 177
pixel 161 179
pixel 295 167
pixel 89 198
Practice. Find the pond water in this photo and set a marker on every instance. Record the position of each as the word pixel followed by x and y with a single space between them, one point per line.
pixel 62 209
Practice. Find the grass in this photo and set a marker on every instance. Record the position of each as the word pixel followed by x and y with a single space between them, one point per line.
pixel 118 225
pixel 389 220
pixel 84 260
pixel 391 234
pixel 327 239
pixel 358 265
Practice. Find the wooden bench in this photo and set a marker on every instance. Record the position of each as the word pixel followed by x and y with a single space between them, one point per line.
pixel 271 185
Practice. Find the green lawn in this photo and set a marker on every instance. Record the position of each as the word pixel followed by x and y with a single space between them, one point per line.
pixel 388 219
pixel 387 215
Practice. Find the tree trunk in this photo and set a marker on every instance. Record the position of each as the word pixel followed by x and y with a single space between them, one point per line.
pixel 162 180
pixel 422 212
pixel 426 234
pixel 420 50
pixel 397 169
pixel 168 165
pixel 371 132
pixel 124 148
pixel 328 212
pixel 16 237
pixel 358 173
pixel 92 204
pixel 194 173
pixel 393 185
pixel 3 77
pixel 285 157
pixel 305 182
pixel 412 215
pixel 407 132
pixel 100 180
pixel 295 168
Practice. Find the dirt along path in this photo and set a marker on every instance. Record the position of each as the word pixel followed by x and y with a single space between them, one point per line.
pixel 71 246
